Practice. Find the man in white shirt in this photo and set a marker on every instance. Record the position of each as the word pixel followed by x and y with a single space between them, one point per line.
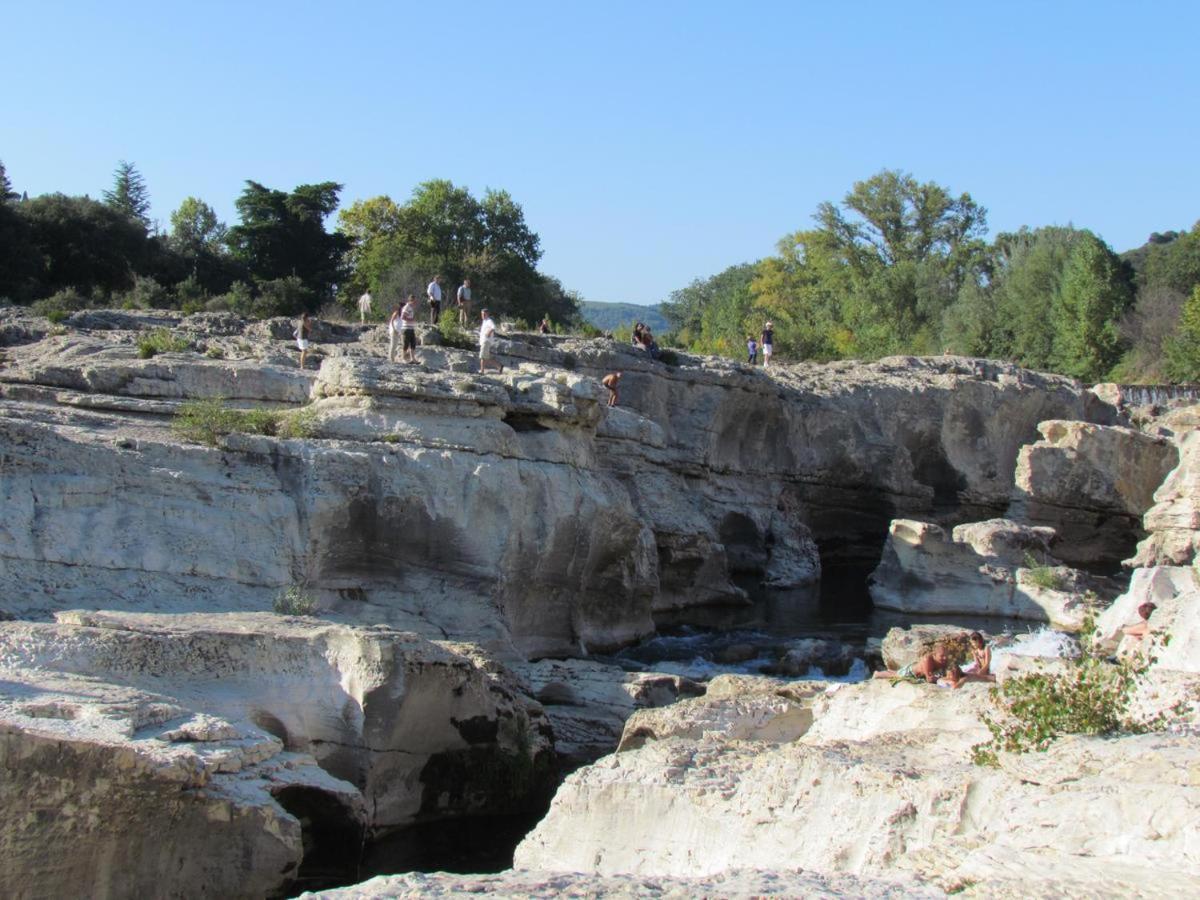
pixel 364 307
pixel 464 303
pixel 487 343
pixel 434 293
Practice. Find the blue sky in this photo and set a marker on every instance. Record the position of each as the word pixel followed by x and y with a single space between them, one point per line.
pixel 649 143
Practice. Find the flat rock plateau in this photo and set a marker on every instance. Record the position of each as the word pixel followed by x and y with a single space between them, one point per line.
pixel 476 548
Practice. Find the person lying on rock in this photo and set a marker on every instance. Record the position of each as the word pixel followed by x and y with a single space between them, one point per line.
pixel 933 665
pixel 981 655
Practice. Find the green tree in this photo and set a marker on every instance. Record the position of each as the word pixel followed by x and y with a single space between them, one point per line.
pixel 1174 264
pixel 443 229
pixel 6 189
pixel 1182 349
pixel 84 244
pixel 1096 293
pixel 1024 290
pixel 129 194
pixel 283 234
pixel 195 228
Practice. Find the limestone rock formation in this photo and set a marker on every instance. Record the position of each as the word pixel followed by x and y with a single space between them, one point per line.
pixel 881 783
pixel 1092 484
pixel 211 738
pixel 516 510
pixel 976 571
pixel 1173 522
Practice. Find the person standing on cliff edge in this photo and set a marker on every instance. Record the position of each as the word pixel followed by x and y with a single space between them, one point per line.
pixel 487 342
pixel 768 342
pixel 463 299
pixel 364 307
pixel 612 381
pixel 434 293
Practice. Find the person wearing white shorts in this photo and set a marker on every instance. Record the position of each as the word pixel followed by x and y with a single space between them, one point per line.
pixel 303 334
pixel 487 343
pixel 768 339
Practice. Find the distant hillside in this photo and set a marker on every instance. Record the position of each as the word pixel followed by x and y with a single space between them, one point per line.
pixel 609 316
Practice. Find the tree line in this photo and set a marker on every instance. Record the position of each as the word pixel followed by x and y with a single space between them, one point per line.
pixel 903 267
pixel 61 253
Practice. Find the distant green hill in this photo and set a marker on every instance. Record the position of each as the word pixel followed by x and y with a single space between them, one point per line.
pixel 609 316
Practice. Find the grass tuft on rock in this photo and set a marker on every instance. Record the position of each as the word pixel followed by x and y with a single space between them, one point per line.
pixel 161 341
pixel 207 421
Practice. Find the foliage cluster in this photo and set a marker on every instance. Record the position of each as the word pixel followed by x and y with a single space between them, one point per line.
pixel 160 340
pixel 207 421
pixel 294 601
pixel 279 258
pixel 1043 576
pixel 901 267
pixel 1093 696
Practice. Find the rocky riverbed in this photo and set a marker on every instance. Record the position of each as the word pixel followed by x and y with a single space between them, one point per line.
pixel 497 564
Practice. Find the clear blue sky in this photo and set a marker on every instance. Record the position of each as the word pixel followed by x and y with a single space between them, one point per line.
pixel 649 143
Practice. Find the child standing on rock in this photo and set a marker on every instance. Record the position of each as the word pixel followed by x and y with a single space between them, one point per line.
pixel 751 350
pixel 303 334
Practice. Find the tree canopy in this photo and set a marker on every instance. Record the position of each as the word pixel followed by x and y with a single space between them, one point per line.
pixel 129 194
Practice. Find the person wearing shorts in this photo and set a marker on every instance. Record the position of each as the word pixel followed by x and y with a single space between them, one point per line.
pixel 768 341
pixel 303 335
pixel 487 342
pixel 408 329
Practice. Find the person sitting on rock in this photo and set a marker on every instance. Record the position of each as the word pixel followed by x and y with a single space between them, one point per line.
pixel 1140 629
pixel 612 381
pixel 930 667
pixel 981 655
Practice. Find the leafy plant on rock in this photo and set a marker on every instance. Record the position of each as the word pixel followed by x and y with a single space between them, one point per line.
pixel 207 421
pixel 1092 696
pixel 294 602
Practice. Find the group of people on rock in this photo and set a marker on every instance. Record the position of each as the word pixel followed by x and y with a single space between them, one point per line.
pixel 433 296
pixel 767 345
pixel 938 665
pixel 643 339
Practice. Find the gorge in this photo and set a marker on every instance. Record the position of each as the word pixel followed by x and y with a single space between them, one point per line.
pixel 483 552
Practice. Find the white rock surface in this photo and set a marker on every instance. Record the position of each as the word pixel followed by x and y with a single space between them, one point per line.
pixel 735 885
pixel 881 784
pixel 925 571
pixel 1092 484
pixel 209 737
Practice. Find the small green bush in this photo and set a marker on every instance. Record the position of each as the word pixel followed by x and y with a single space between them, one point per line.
pixel 1092 697
pixel 588 330
pixel 294 602
pixel 58 306
pixel 161 341
pixel 214 352
pixel 1043 576
pixel 207 421
pixel 453 335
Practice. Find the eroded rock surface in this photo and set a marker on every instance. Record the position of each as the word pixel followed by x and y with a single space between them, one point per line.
pixel 1092 484
pixel 513 509
pixel 211 738
pixel 994 568
pixel 881 782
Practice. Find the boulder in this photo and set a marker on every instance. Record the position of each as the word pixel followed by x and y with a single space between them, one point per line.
pixel 902 646
pixel 925 571
pixel 1092 484
pixel 1173 522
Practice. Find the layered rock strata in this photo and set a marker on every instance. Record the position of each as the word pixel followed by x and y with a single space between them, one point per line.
pixel 1092 484
pixel 236 751
pixel 513 509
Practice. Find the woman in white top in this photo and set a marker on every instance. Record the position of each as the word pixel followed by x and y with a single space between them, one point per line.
pixel 487 340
